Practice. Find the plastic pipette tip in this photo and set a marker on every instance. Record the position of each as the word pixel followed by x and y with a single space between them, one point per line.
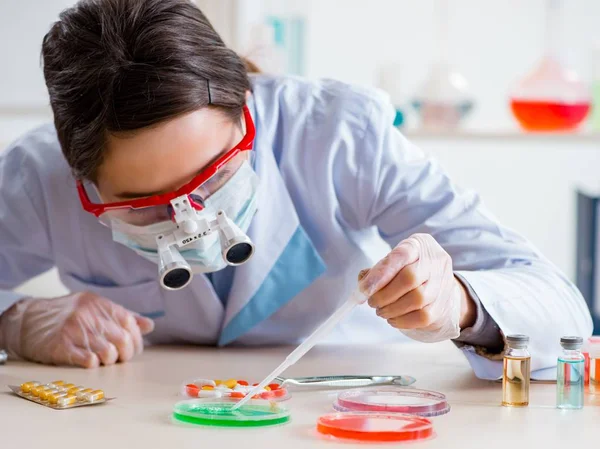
pixel 266 381
pixel 355 299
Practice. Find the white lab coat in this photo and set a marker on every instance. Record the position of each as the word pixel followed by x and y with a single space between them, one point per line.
pixel 338 185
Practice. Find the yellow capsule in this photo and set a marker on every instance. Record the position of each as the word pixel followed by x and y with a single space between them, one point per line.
pixel 35 391
pixel 74 390
pixel 218 382
pixel 43 394
pixel 66 400
pixel 54 397
pixel 81 394
pixel 66 387
pixel 58 383
pixel 268 388
pixel 94 396
pixel 27 386
pixel 230 383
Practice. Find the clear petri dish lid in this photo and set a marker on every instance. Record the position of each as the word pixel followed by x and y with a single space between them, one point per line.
pixel 393 400
pixel 375 426
pixel 218 412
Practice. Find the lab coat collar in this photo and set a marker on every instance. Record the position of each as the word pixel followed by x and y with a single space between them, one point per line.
pixel 285 261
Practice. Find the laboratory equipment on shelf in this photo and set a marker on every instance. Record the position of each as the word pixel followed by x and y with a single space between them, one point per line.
pixel 444 99
pixel 552 97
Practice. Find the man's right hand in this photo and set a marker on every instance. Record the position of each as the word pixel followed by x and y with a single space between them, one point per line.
pixel 81 329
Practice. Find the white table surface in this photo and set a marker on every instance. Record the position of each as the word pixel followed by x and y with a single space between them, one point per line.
pixel 146 389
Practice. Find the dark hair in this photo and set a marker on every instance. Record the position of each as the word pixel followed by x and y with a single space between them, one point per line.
pixel 121 65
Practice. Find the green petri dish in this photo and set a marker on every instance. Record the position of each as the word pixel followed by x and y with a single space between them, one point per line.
pixel 219 413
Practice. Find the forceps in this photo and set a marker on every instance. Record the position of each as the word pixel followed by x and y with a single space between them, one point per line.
pixel 330 382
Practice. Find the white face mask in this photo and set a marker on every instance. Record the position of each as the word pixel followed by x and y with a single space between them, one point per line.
pixel 237 198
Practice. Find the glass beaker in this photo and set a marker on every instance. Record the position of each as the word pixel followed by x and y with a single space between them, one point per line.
pixel 443 100
pixel 552 97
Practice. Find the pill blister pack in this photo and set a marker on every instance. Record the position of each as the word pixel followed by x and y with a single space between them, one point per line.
pixel 59 394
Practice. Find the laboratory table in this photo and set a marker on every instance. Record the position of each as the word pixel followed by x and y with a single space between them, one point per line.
pixel 147 387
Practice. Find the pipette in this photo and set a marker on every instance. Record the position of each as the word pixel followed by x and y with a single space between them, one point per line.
pixel 355 299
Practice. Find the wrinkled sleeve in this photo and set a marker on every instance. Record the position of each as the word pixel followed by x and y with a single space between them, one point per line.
pixel 25 249
pixel 401 191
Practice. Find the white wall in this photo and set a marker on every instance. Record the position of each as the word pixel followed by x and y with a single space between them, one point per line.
pixel 23 96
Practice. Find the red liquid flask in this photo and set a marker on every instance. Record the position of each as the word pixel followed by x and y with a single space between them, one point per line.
pixel 539 115
pixel 552 97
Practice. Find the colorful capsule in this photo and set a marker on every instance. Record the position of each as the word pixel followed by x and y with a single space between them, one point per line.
pixel 35 391
pixel 203 382
pixel 230 383
pixel 279 393
pixel 209 394
pixel 236 395
pixel 243 382
pixel 67 400
pixel 80 395
pixel 74 390
pixel 208 387
pixel 274 386
pixel 27 386
pixel 192 390
pixel 44 394
pixel 94 396
pixel 54 397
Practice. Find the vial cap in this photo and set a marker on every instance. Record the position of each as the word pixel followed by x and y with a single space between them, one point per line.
pixel 571 342
pixel 517 341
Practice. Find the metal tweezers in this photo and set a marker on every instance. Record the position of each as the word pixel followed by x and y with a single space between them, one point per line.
pixel 330 382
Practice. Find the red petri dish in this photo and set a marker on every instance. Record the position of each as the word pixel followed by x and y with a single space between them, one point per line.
pixel 375 426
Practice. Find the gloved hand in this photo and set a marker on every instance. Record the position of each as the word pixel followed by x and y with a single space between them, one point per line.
pixel 81 329
pixel 415 290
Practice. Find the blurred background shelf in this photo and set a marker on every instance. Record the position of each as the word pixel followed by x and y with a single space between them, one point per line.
pixel 593 137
